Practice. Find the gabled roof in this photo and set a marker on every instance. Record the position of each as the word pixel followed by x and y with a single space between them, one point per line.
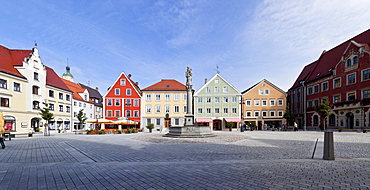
pixel 166 85
pixel 304 74
pixel 329 59
pixel 10 58
pixel 76 89
pixel 266 81
pixel 93 93
pixel 212 79
pixel 53 79
pixel 135 85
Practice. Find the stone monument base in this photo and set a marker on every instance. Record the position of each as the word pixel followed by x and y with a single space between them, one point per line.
pixel 190 132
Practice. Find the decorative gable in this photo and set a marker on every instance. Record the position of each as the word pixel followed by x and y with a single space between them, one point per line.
pixel 217 85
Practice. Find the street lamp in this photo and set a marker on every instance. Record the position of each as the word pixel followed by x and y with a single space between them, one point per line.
pixel 241 115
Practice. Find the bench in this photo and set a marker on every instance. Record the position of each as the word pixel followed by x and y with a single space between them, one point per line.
pixel 12 135
pixel 80 132
pixel 340 130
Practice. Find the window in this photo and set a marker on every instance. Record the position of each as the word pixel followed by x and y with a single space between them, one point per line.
pixel 117 102
pixel 272 113
pixel 128 113
pixel 248 102
pixel 176 97
pixel 185 109
pixel 167 97
pixel 316 102
pixel 136 103
pixel 309 104
pixel 200 100
pixel 316 89
pixel 51 107
pixel 167 109
pixel 74 114
pixel 117 113
pixel 35 90
pixel 35 76
pixel 366 94
pixel 60 108
pixel 248 114
pixel 109 102
pixel 136 113
pixel 51 93
pixel 68 97
pixel 267 92
pixel 226 89
pixel 217 110
pixel 123 82
pixel 309 90
pixel 177 109
pixel 148 97
pixel 177 122
pixel 148 108
pixel 331 119
pixel 272 102
pixel 217 89
pixel 148 120
pixel 337 83
pixel 117 91
pixel 233 99
pixel 280 102
pixel 75 103
pixel 208 100
pixel 256 102
pixel 351 79
pixel 280 113
pixel 109 113
pixel 208 110
pixel 264 113
pixel 158 121
pixel 324 86
pixel 264 102
pixel 3 83
pixel 60 96
pixel 217 99
pixel 157 109
pixel 4 102
pixel 208 89
pixel 351 96
pixel 84 105
pixel 366 75
pixel 200 110
pixel 68 109
pixel 315 120
pixel 128 92
pixel 158 97
pixel 185 97
pixel 233 110
pixel 256 113
pixel 17 87
pixel 355 60
pixel 128 102
pixel 349 62
pixel 336 99
pixel 35 105
pixel 216 81
pixel 261 92
pixel 226 110
pixel 226 99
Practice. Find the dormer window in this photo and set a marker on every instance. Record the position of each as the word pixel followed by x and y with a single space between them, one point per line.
pixel 318 74
pixel 355 60
pixel 349 62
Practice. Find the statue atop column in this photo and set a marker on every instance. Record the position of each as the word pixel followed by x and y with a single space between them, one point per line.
pixel 189 75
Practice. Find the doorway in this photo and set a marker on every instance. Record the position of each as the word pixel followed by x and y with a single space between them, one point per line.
pixel 350 120
pixel 217 125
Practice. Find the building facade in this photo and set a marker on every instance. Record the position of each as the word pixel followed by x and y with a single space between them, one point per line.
pixel 216 103
pixel 341 77
pixel 264 105
pixel 25 83
pixel 167 98
pixel 122 101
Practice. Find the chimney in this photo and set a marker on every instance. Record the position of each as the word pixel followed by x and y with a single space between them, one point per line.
pixel 129 75
pixel 137 83
pixel 96 88
pixel 205 80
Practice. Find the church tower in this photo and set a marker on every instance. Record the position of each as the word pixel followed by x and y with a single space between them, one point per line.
pixel 67 75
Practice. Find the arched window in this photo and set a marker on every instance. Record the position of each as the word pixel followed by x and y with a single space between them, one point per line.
pixel 332 119
pixel 355 60
pixel 349 62
pixel 35 105
pixel 315 120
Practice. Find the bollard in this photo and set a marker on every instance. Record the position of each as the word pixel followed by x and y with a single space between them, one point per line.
pixel 328 146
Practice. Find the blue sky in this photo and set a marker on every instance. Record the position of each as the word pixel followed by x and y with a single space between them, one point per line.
pixel 156 39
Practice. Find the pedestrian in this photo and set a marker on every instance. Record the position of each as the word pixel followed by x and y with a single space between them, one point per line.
pixel 295 126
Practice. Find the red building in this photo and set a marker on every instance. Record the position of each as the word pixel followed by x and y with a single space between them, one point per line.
pixel 122 101
pixel 341 76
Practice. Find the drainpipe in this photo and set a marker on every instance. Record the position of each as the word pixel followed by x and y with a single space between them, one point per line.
pixel 304 106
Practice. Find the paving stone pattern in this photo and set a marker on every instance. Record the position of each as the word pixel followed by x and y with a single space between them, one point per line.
pixel 232 160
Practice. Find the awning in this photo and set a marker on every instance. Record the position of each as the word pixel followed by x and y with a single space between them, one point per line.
pixel 203 120
pixel 234 120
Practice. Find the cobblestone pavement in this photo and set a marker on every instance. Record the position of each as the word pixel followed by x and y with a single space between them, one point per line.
pixel 232 160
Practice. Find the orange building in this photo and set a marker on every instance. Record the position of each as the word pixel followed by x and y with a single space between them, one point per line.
pixel 122 101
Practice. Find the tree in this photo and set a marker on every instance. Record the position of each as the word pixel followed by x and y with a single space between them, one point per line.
pixel 47 116
pixel 81 118
pixel 324 110
pixel 288 115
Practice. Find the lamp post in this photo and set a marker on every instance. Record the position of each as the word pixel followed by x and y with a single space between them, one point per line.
pixel 241 115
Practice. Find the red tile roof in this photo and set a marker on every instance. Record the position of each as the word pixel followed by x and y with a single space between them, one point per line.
pixel 329 59
pixel 75 88
pixel 53 79
pixel 10 58
pixel 166 85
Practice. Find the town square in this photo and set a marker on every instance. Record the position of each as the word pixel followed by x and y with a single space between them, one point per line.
pixel 186 94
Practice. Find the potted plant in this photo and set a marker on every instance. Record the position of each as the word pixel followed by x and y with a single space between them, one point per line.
pixel 118 131
pixel 230 125
pixel 101 132
pixel 150 126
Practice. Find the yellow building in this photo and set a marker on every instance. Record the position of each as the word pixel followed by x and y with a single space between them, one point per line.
pixel 264 106
pixel 165 97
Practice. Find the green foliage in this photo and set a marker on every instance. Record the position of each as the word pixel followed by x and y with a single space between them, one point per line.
pixel 150 126
pixel 230 124
pixel 324 110
pixel 101 132
pixel 45 112
pixel 288 115
pixel 80 116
